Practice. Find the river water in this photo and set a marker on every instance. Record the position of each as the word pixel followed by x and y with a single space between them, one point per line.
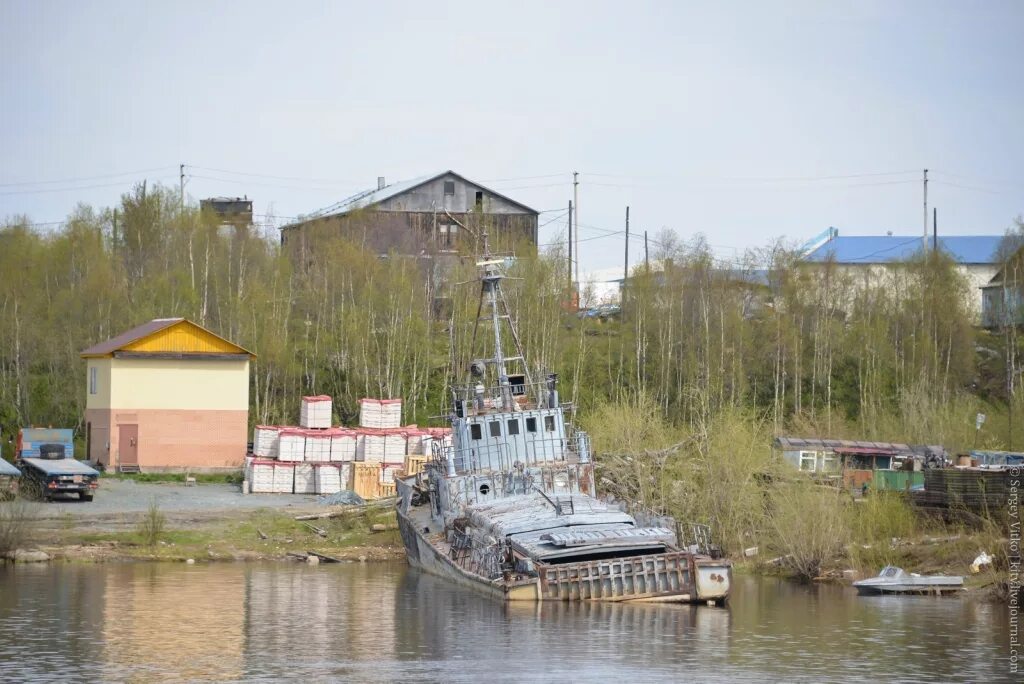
pixel 386 622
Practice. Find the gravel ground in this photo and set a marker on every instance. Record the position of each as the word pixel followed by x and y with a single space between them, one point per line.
pixel 127 496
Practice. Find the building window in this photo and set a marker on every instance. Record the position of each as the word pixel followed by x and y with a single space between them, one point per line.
pixel 531 424
pixel 449 188
pixel 475 432
pixel 446 233
pixel 513 426
pixel 479 199
pixel 495 427
pixel 93 379
pixel 549 423
pixel 808 461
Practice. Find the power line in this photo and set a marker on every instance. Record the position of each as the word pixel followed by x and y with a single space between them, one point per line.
pixel 266 185
pixel 334 181
pixel 554 218
pixel 987 179
pixel 84 178
pixel 539 185
pixel 967 187
pixel 72 189
pixel 764 179
pixel 519 178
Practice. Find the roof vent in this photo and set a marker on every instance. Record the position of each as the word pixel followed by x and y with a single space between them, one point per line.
pixel 380 182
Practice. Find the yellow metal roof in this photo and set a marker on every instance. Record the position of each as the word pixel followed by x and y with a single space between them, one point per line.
pixel 166 336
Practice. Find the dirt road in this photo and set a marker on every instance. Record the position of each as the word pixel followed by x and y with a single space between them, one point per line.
pixel 174 499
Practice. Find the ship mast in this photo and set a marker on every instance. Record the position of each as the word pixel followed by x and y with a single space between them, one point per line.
pixel 491 294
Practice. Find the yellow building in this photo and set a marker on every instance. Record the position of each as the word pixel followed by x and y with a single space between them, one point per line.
pixel 167 395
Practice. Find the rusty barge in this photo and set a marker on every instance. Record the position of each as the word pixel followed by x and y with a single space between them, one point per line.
pixel 509 507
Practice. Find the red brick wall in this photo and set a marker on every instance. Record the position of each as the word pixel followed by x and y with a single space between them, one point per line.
pixel 175 438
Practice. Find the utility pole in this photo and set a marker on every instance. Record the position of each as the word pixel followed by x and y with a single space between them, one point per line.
pixel 570 245
pixel 181 185
pixel 625 268
pixel 576 218
pixel 647 255
pixel 925 209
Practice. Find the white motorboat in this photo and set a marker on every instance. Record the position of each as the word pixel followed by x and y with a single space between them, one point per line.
pixel 893 580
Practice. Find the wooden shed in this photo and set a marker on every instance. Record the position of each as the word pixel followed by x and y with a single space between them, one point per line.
pixel 167 395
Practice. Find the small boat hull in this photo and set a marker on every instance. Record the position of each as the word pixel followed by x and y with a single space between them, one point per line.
pixel 893 580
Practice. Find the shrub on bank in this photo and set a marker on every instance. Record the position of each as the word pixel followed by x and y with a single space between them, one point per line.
pixel 809 526
pixel 16 517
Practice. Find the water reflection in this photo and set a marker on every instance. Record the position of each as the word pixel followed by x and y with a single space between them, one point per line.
pixel 142 622
pixel 159 619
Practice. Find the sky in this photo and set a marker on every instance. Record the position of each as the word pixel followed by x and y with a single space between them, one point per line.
pixel 744 122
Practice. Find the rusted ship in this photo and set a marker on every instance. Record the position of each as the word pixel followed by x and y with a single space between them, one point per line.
pixel 509 507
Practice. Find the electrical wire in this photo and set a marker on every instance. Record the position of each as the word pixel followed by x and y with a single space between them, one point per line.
pixel 776 179
pixel 84 178
pixel 554 218
pixel 519 178
pixel 966 187
pixel 332 181
pixel 266 185
pixel 72 189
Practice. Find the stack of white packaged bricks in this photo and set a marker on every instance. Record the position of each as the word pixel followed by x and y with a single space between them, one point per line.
pixel 343 445
pixel 261 477
pixel 388 470
pixel 371 445
pixel 417 441
pixel 315 412
pixel 395 445
pixel 265 441
pixel 345 473
pixel 318 445
pixel 292 445
pixel 380 413
pixel 305 478
pixel 328 478
pixel 284 478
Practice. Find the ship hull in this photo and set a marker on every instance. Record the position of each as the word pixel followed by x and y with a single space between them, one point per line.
pixel 425 556
pixel 671 577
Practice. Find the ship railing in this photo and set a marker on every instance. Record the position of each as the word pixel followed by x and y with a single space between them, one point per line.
pixel 524 396
pixel 503 455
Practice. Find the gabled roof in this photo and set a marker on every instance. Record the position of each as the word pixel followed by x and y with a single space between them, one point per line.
pixel 146 339
pixel 884 249
pixel 370 198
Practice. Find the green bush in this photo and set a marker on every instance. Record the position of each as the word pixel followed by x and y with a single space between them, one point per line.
pixel 151 527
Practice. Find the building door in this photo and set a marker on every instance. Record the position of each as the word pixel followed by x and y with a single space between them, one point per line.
pixel 127 445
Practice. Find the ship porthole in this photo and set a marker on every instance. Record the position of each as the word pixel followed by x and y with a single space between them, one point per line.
pixel 485 489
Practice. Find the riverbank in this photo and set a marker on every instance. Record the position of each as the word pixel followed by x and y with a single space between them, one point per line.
pixel 215 522
pixel 367 534
pixel 131 520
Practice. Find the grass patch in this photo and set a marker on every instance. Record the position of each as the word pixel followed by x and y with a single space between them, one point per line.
pixel 201 478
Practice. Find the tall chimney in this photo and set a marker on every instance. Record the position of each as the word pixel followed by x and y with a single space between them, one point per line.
pixel 380 182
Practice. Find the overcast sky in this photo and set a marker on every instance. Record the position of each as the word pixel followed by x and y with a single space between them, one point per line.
pixel 743 121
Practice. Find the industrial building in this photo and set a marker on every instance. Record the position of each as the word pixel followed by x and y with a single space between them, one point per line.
pixel 443 213
pixel 167 395
pixel 869 258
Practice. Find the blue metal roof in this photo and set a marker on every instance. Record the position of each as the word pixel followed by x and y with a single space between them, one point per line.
pixel 881 249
